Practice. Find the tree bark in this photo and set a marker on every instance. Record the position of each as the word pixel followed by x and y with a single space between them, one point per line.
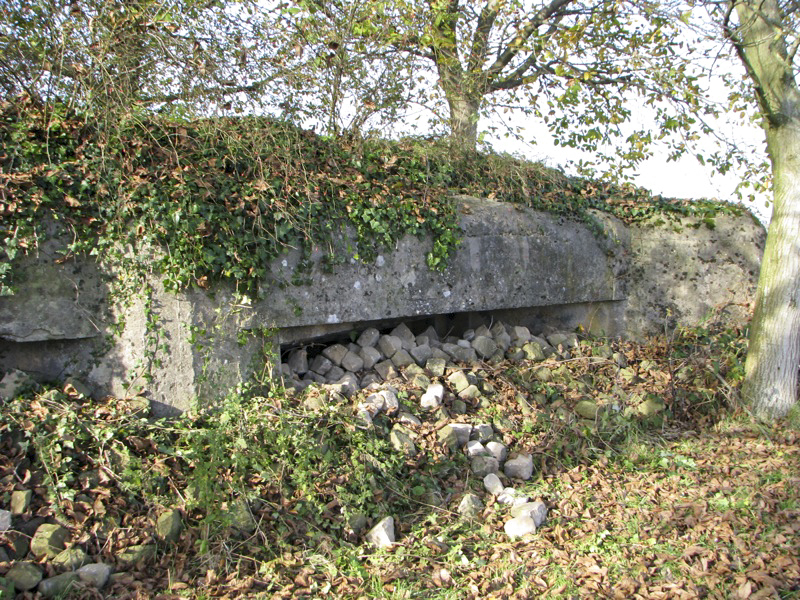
pixel 773 357
pixel 463 121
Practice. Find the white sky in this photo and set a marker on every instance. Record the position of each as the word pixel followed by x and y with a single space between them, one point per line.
pixel 685 178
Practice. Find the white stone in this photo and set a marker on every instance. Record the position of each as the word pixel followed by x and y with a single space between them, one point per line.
pixel 535 510
pixel 95 574
pixel 498 450
pixel 462 431
pixel 520 467
pixel 519 527
pixel 382 535
pixel 475 448
pixel 432 398
pixel 493 484
pixel 390 402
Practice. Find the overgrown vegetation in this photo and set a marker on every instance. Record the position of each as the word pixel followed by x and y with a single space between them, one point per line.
pixel 688 501
pixel 221 198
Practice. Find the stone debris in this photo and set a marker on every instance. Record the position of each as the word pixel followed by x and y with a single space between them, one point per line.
pixel 382 535
pixel 519 527
pixel 49 540
pixel 519 467
pixel 385 355
pixel 470 506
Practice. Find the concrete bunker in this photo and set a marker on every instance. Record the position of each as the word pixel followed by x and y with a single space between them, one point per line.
pixel 514 265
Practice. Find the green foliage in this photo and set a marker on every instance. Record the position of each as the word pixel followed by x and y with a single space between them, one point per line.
pixel 221 198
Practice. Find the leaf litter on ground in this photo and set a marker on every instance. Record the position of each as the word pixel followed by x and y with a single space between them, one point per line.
pixel 697 502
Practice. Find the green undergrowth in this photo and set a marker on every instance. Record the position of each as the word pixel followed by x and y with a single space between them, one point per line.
pixel 220 198
pixel 306 476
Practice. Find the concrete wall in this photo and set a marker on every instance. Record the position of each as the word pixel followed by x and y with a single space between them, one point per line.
pixel 532 267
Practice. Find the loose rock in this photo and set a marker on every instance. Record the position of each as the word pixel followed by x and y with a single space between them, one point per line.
pixel 520 467
pixel 519 527
pixel 470 506
pixel 24 575
pixel 382 535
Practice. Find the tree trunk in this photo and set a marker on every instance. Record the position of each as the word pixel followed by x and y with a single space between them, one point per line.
pixel 773 357
pixel 770 385
pixel 463 122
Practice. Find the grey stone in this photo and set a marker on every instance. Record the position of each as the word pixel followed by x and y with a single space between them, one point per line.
pixel 370 356
pixel 511 496
pixel 536 510
pixel 468 335
pixel 382 535
pixel 239 516
pixel 169 526
pixel 520 334
pixel 402 359
pixel 298 361
pixel 419 381
pixel 475 448
pixel 357 523
pixel 515 354
pixel 406 418
pixel 463 431
pixel 498 450
pixel 465 355
pixel 57 586
pixel 533 351
pixel 373 404
pixel 49 540
pixel 14 383
pixel 24 575
pixel 406 337
pixel 347 385
pixel 484 346
pixel 321 365
pixel 95 574
pixel 335 353
pixel 482 432
pixel 421 354
pixel 471 392
pixel 493 484
pixel 432 398
pixel 483 465
pixel 20 501
pixel 134 555
pixel 352 362
pixel 5 520
pixel 391 404
pixel 520 467
pixel 401 441
pixel 436 366
pixel 448 438
pixel 430 334
pixel 71 558
pixel 470 506
pixel 463 344
pixel 482 330
pixel 459 407
pixel 369 379
pixel 439 353
pixel 368 338
pixel 335 374
pixel 519 527
pixel 503 342
pixel 389 345
pixel 458 381
pixel 587 409
pixel 386 370
pixel 362 414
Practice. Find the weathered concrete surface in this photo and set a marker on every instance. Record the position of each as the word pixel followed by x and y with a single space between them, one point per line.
pixel 533 267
